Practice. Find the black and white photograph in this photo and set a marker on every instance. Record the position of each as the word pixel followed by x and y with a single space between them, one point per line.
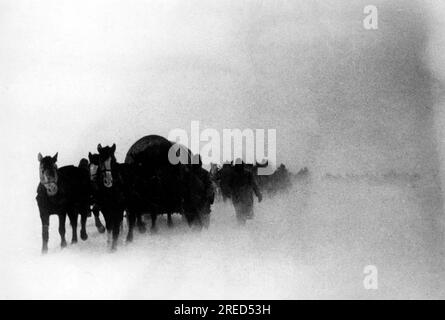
pixel 222 150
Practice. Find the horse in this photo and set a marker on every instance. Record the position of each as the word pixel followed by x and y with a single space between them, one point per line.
pixel 113 187
pixel 199 195
pixel 92 164
pixel 62 191
pixel 215 181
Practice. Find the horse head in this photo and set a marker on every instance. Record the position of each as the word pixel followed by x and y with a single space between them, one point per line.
pixel 93 166
pixel 48 173
pixel 106 162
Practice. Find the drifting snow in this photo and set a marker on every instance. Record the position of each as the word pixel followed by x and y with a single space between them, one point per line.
pixel 312 242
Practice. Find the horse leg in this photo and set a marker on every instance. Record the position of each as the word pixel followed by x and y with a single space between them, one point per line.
pixel 131 218
pixel 240 215
pixel 153 221
pixel 44 217
pixel 83 222
pixel 72 215
pixel 188 217
pixel 99 226
pixel 117 219
pixel 62 219
pixel 141 225
pixel 203 219
pixel 108 225
pixel 249 213
pixel 198 221
pixel 107 221
pixel 169 220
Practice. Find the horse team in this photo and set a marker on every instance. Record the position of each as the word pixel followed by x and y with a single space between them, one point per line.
pixel 147 183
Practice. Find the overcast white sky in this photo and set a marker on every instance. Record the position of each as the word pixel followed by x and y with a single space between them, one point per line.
pixel 76 73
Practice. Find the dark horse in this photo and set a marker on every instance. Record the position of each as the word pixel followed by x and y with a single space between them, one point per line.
pixel 92 166
pixel 113 187
pixel 148 183
pixel 62 191
pixel 199 194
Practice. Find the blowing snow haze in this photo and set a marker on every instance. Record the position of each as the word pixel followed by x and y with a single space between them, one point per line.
pixel 356 100
pixel 344 101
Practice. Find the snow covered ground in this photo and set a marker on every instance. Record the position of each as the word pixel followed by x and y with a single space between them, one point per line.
pixel 313 242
